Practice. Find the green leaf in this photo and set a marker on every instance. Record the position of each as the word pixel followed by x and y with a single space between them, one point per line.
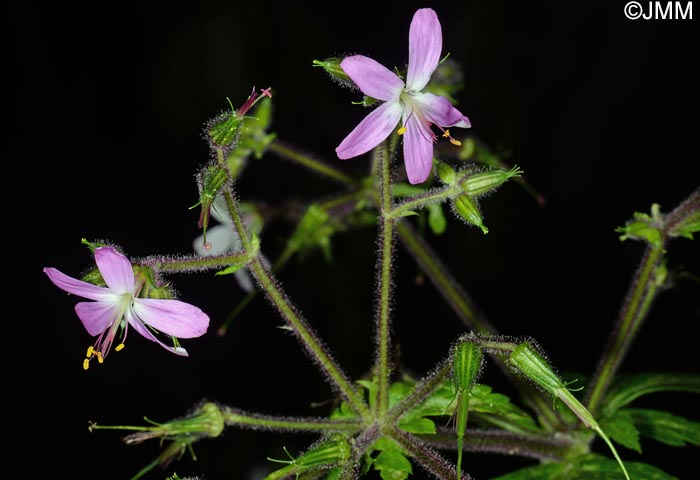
pixel 232 269
pixel 392 465
pixel 630 388
pixel 418 425
pixel 549 471
pixel 497 409
pixel 598 467
pixel 665 427
pixel 587 467
pixel 620 427
pixel 436 219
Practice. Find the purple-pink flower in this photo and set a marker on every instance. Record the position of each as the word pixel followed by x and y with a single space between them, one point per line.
pixel 404 102
pixel 117 306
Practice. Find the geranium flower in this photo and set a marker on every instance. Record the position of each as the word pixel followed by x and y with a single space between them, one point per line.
pixel 117 306
pixel 404 102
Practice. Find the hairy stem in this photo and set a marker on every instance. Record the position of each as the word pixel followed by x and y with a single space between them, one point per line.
pixel 308 338
pixel 639 298
pixel 383 367
pixel 426 457
pixel 499 441
pixel 235 417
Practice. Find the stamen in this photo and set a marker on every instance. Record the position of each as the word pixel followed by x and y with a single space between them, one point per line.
pixel 86 364
pixel 99 357
pixel 119 347
pixel 401 130
pixel 453 141
pixel 90 351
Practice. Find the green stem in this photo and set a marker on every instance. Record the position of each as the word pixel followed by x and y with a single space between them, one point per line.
pixel 427 198
pixel 536 446
pixel 421 391
pixel 382 363
pixel 639 298
pixel 287 152
pixel 428 458
pixel 194 263
pixel 307 337
pixel 235 417
pixel 466 310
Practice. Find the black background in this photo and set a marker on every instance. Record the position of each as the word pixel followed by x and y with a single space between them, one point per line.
pixel 104 110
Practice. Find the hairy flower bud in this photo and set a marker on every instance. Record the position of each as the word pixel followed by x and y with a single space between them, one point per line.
pixel 207 421
pixel 446 173
pixel 467 209
pixel 485 182
pixel 332 67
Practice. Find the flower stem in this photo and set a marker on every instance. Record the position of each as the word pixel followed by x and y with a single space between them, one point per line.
pixel 432 196
pixel 386 246
pixel 194 263
pixel 235 417
pixel 639 298
pixel 307 337
pixel 428 458
pixel 536 446
pixel 288 152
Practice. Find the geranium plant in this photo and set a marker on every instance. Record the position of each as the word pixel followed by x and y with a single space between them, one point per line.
pixel 391 423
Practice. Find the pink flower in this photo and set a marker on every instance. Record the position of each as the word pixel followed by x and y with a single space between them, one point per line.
pixel 405 102
pixel 117 306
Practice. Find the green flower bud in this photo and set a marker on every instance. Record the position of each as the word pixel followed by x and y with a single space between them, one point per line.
pixel 210 180
pixel 485 182
pixel 208 421
pixel 644 227
pixel 320 456
pixel 222 131
pixel 466 208
pixel 528 361
pixel 332 67
pixel 446 173
pixel 466 365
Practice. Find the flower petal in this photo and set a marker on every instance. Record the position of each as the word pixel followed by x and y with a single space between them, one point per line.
pixel 219 210
pixel 371 131
pixel 222 238
pixel 146 333
pixel 77 287
pixel 440 111
pixel 424 48
pixel 115 269
pixel 172 317
pixel 245 281
pixel 373 78
pixel 96 316
pixel 417 151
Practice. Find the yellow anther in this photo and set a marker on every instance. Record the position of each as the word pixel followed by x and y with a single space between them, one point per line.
pixel 90 351
pixel 455 142
pixel 119 347
pixel 86 364
pixel 99 357
pixel 401 130
pixel 446 134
